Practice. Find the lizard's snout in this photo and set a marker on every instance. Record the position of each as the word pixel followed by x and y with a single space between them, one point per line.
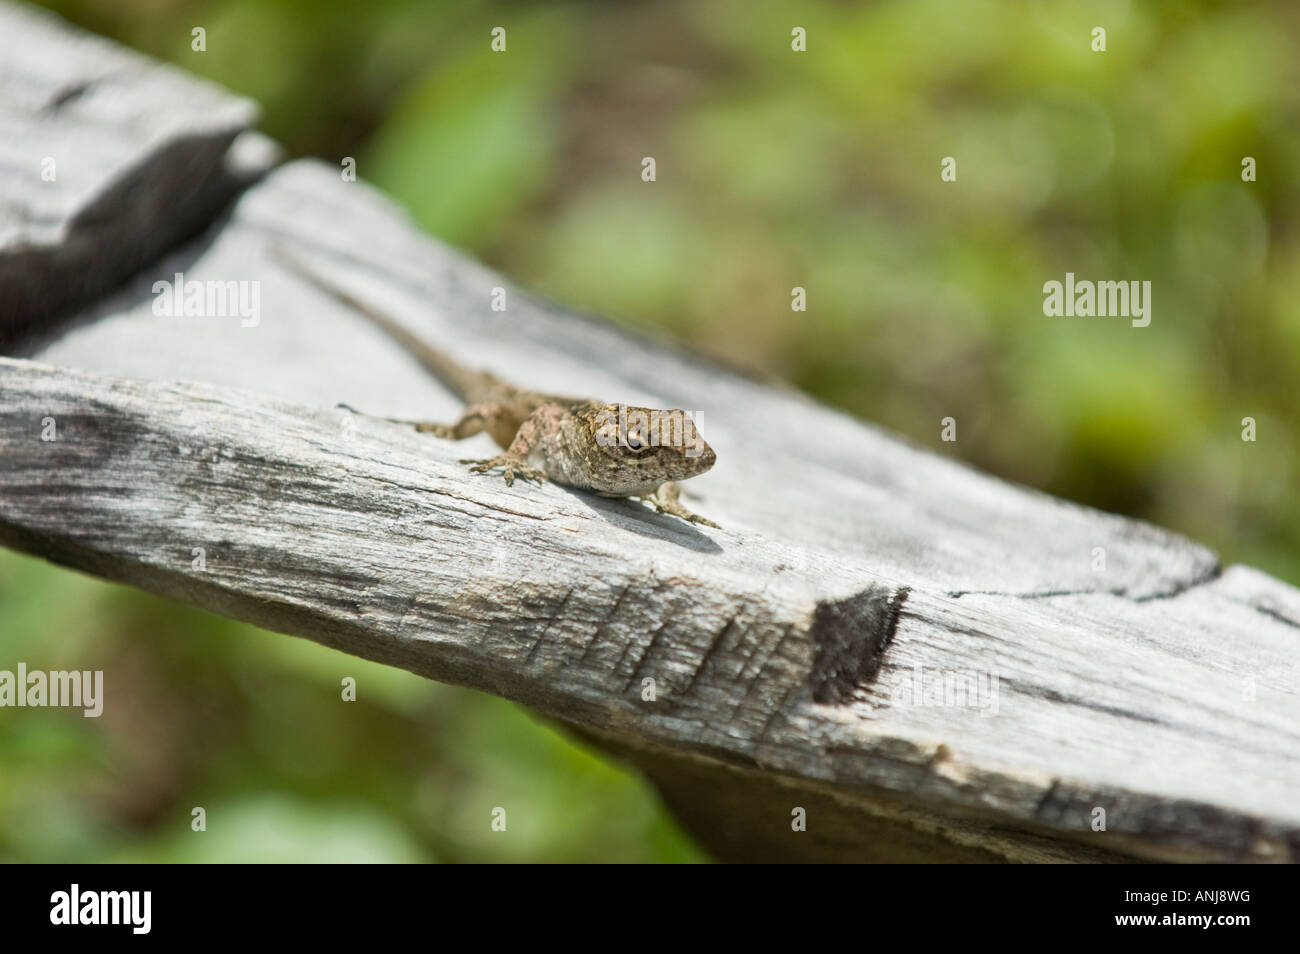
pixel 706 459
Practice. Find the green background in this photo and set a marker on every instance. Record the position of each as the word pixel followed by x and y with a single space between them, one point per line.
pixel 775 169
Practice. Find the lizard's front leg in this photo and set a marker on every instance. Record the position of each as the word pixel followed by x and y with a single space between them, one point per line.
pixel 667 500
pixel 515 460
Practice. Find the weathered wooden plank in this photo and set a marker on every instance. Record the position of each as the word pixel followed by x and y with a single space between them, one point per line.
pixel 371 539
pixel 816 483
pixel 108 159
pixel 786 649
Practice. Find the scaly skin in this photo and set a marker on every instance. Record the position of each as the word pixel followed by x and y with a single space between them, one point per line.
pixel 612 449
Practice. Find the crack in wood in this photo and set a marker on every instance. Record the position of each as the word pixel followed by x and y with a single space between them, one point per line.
pixel 714 645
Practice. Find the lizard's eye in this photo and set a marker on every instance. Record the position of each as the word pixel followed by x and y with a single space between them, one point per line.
pixel 634 442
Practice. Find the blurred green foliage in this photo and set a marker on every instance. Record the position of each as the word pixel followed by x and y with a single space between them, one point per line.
pixel 775 169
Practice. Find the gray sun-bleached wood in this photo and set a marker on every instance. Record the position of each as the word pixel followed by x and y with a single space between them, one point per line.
pixel 1161 689
pixel 107 160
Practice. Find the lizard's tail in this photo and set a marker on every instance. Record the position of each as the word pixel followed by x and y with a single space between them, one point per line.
pixel 467 384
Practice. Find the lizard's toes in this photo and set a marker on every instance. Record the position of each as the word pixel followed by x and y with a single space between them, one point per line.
pixel 696 518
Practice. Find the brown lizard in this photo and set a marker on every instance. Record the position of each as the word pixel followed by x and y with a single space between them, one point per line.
pixel 612 449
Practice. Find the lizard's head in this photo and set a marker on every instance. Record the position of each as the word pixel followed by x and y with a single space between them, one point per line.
pixel 639 448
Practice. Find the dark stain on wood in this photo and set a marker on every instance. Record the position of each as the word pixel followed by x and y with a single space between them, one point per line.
pixel 849 638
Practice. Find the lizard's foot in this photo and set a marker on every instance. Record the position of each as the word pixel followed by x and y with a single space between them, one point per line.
pixel 476 418
pixel 666 500
pixel 512 466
